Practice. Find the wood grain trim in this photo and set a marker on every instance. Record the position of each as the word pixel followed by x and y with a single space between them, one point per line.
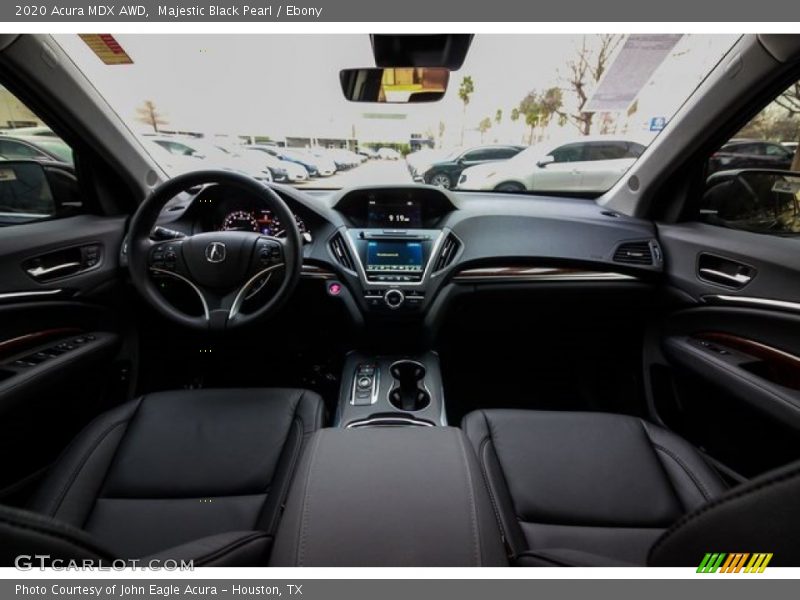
pixel 21 343
pixel 524 273
pixel 780 367
pixel 315 272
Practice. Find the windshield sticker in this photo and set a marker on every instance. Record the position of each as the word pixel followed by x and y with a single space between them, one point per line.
pixel 106 48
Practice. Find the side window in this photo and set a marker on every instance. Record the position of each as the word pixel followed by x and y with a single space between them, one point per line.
pixel 493 154
pixel 753 180
pixel 473 155
pixel 501 153
pixel 775 150
pixel 568 153
pixel 14 150
pixel 36 172
pixel 606 151
pixel 635 150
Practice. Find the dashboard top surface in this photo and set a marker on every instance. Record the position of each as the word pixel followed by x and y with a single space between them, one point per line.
pixel 492 228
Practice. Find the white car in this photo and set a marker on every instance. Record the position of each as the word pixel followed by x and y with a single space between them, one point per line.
pixel 295 173
pixel 322 159
pixel 389 154
pixel 589 164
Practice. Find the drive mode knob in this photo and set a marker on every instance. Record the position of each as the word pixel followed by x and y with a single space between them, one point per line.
pixel 394 298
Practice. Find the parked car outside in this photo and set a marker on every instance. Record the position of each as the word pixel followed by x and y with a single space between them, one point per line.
pixel 185 154
pixel 589 164
pixel 420 161
pixel 322 158
pixel 282 170
pixel 389 154
pixel 446 173
pixel 291 155
pixel 756 154
pixel 367 153
pixel 791 146
pixel 35 147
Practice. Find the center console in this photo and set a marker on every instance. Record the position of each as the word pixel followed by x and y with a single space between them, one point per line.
pixel 394 246
pixel 391 391
pixel 402 497
pixel 394 266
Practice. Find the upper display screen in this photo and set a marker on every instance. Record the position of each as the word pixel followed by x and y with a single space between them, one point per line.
pixel 394 214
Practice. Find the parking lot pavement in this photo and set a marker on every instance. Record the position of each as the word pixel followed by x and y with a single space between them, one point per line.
pixel 372 172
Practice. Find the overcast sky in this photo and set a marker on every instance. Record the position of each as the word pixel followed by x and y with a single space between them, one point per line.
pixel 287 85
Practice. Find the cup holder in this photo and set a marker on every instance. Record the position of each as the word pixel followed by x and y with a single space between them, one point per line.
pixel 408 392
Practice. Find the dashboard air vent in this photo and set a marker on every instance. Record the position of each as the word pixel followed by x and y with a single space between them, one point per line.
pixel 341 252
pixel 634 253
pixel 450 247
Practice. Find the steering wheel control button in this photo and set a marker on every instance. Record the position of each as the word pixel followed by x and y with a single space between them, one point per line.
pixel 269 252
pixel 394 299
pixel 164 256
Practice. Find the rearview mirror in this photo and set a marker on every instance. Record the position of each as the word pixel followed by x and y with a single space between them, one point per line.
pixel 396 85
pixel 25 193
pixel 547 160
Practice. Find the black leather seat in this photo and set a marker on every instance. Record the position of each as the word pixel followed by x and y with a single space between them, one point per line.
pixel 195 474
pixel 586 488
pixel 596 489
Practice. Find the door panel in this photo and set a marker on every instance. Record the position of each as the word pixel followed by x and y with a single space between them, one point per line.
pixel 60 323
pixel 559 176
pixel 725 370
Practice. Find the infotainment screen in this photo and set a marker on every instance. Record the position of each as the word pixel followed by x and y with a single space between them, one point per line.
pixel 394 256
pixel 394 213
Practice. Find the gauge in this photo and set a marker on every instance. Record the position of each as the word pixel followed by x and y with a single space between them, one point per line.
pixel 264 222
pixel 268 224
pixel 240 220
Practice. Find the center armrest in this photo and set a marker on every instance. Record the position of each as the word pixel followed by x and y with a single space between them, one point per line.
pixel 406 496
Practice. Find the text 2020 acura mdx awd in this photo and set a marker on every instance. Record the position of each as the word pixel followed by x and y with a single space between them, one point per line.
pixel 198 363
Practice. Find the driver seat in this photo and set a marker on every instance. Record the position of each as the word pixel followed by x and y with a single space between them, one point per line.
pixel 193 474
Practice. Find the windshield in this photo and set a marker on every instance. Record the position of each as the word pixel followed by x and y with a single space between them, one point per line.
pixel 525 113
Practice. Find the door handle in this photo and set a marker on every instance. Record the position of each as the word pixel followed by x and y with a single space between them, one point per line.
pixel 40 271
pixel 723 271
pixel 739 279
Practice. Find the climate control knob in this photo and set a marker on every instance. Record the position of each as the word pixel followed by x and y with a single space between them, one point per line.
pixel 394 299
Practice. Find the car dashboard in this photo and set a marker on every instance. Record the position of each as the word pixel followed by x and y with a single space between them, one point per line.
pixel 399 252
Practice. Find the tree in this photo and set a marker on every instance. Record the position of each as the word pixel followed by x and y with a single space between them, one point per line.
pixel 484 126
pixel 539 109
pixel 149 115
pixel 498 116
pixel 789 100
pixel 585 70
pixel 515 117
pixel 465 90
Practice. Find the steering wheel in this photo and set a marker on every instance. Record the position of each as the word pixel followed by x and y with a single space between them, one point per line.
pixel 224 268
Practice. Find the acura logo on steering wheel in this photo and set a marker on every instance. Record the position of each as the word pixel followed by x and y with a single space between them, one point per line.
pixel 215 252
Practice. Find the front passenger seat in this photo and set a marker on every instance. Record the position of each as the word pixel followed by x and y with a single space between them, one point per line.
pixel 596 489
pixel 197 474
